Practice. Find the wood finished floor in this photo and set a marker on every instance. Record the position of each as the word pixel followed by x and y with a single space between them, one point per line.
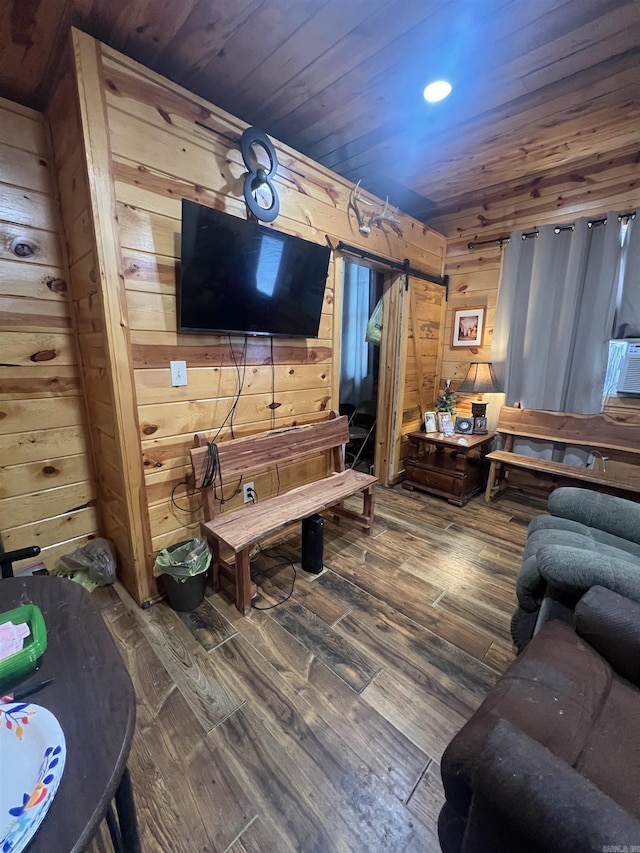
pixel 318 725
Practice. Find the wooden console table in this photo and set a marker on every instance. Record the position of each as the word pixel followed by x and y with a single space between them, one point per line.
pixel 442 465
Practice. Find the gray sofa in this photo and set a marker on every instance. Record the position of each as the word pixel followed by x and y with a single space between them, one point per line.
pixel 587 538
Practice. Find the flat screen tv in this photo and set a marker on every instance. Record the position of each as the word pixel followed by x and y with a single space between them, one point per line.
pixel 239 277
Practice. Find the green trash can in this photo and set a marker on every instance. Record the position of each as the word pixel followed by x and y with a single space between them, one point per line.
pixel 183 568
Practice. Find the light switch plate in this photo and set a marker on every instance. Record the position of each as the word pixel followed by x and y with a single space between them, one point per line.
pixel 178 372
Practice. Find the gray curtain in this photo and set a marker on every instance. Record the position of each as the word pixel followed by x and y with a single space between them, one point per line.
pixel 554 318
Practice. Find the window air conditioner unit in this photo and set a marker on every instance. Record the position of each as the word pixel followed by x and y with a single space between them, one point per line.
pixel 629 379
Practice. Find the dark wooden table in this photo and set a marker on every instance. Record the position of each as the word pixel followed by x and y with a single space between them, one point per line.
pixel 441 465
pixel 94 701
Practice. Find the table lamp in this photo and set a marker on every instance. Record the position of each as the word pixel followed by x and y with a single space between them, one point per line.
pixel 480 379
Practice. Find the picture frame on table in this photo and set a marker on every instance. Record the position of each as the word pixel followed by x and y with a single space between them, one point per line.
pixel 480 425
pixel 467 327
pixel 464 426
pixel 445 423
pixel 430 422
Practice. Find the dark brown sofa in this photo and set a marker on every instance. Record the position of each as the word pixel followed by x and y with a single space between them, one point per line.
pixel 551 759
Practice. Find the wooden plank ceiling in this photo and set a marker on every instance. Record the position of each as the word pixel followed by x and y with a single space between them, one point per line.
pixel 536 84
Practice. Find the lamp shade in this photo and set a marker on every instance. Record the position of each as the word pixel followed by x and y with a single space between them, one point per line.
pixel 480 379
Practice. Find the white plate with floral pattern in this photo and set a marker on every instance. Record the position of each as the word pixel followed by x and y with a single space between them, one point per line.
pixel 33 751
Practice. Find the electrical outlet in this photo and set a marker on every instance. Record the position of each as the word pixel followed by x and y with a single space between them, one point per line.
pixel 247 489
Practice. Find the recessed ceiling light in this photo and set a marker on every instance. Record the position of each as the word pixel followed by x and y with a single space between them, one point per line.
pixel 437 91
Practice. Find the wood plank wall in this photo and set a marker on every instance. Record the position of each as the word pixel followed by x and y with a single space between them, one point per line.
pixel 591 188
pixel 80 139
pixel 165 144
pixel 47 489
pixel 427 307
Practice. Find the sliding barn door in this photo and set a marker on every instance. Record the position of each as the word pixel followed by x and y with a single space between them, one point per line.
pixel 412 325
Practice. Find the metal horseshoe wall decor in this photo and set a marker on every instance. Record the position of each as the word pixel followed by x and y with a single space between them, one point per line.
pixel 260 194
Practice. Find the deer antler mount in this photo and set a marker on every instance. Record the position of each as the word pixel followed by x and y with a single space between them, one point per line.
pixel 369 219
pixel 389 217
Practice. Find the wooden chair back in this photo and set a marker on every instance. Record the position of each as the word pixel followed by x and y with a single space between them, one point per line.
pixel 591 431
pixel 254 453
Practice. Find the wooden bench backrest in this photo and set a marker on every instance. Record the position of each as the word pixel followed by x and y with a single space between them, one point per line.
pixel 254 453
pixel 591 431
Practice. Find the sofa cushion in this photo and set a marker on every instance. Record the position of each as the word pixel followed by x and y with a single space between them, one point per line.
pixel 573 532
pixel 527 799
pixel 589 538
pixel 553 698
pixel 617 516
pixel 610 757
pixel 610 623
pixel 531 582
pixel 576 569
pixel 551 758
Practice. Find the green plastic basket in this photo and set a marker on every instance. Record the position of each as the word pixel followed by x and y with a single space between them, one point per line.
pixel 16 666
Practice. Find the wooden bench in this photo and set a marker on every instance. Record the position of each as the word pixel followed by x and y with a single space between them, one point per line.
pixel 600 433
pixel 241 529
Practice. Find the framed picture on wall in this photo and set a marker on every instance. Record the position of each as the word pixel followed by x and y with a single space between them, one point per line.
pixel 468 327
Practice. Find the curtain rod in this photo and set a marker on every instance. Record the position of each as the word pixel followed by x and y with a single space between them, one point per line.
pixel 474 244
pixel 442 280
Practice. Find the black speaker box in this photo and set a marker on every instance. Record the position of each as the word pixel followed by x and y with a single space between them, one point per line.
pixel 312 543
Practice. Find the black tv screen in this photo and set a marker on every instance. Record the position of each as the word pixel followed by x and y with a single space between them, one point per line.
pixel 238 277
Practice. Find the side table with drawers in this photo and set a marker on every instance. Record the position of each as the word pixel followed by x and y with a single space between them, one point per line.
pixel 452 467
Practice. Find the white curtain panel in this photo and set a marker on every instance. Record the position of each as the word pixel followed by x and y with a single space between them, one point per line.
pixel 627 321
pixel 356 378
